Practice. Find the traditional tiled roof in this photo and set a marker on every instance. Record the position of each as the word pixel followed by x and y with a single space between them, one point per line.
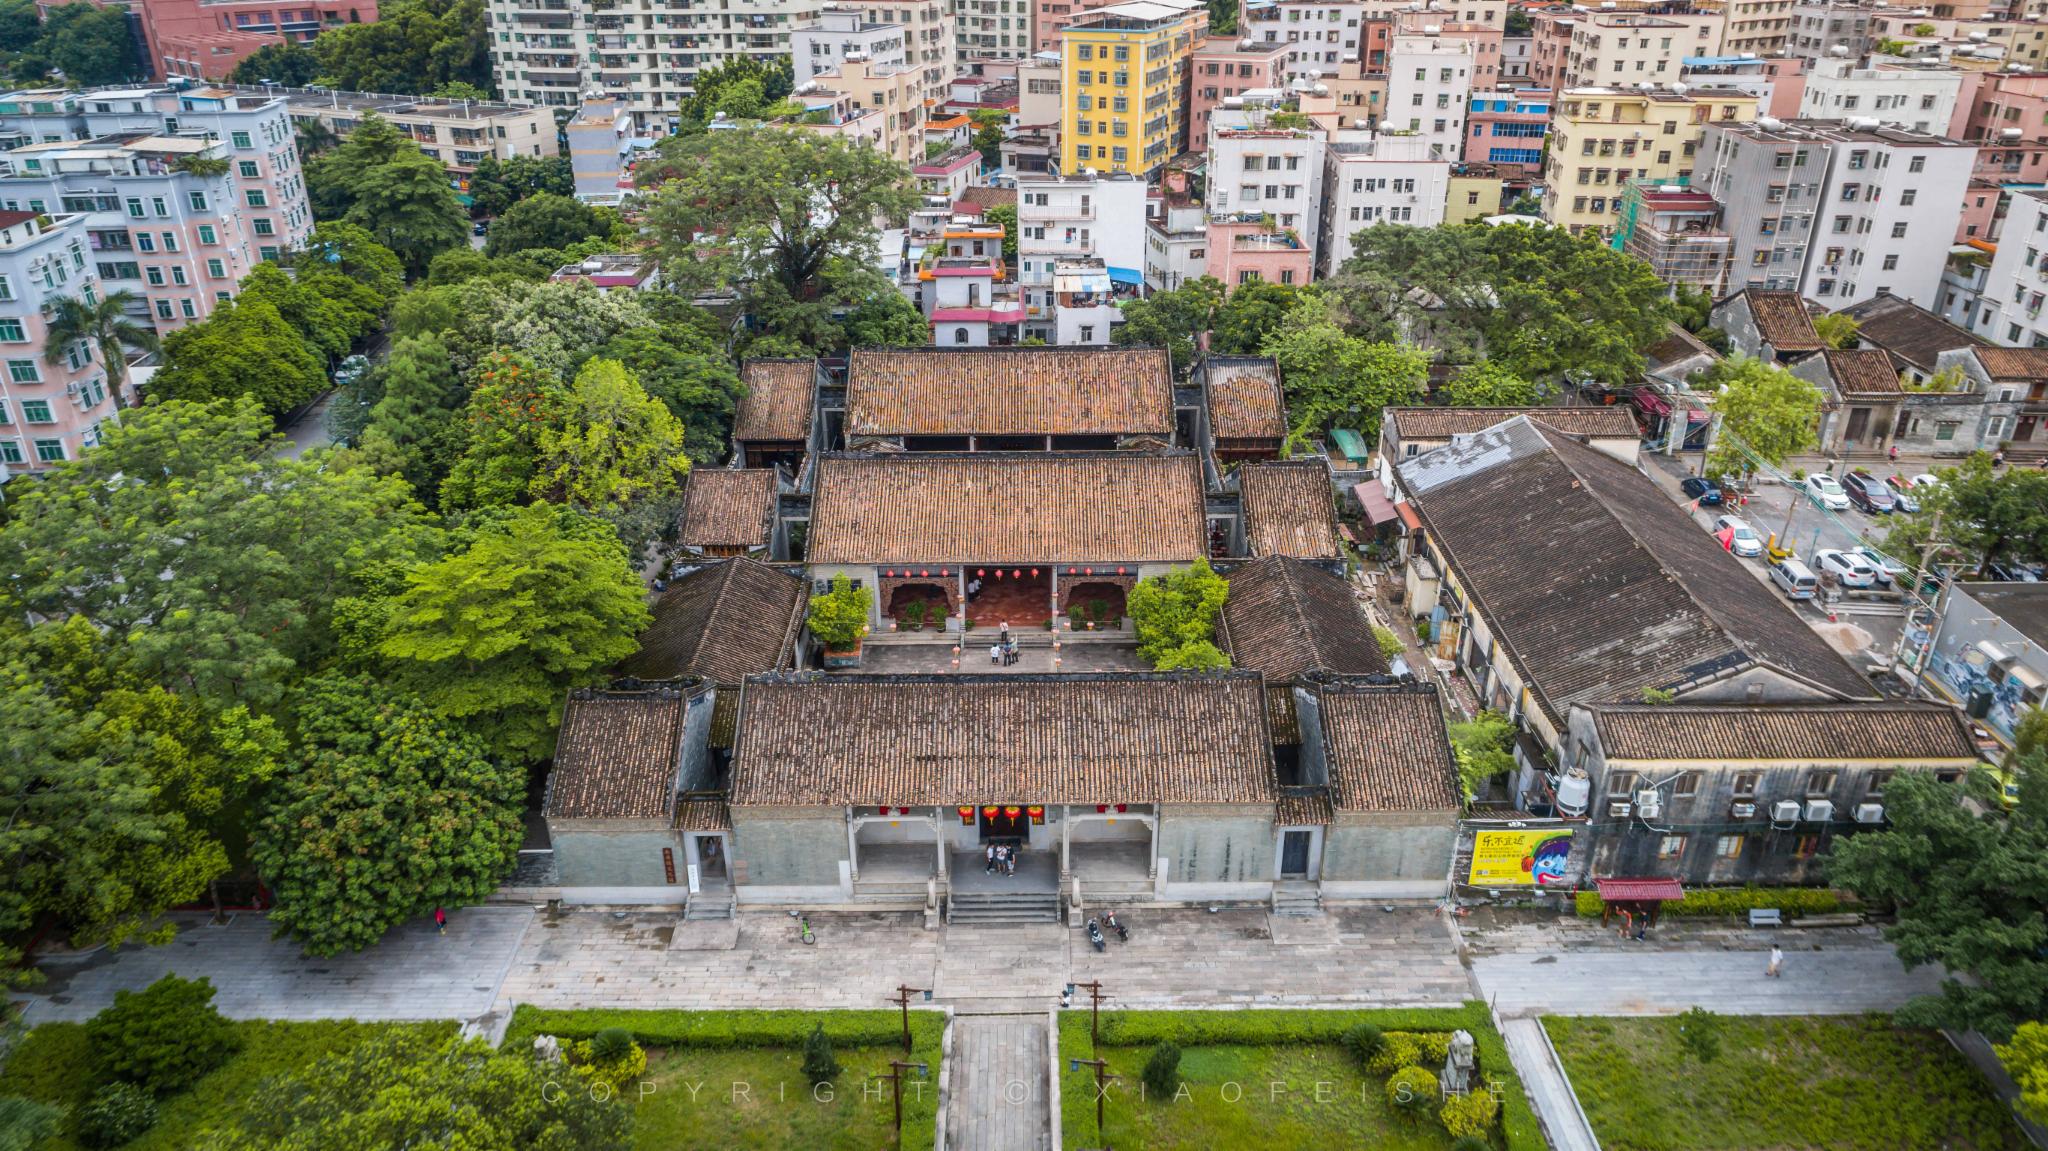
pixel 1783 321
pixel 1244 398
pixel 777 406
pixel 1289 509
pixel 1905 732
pixel 1287 618
pixel 1595 583
pixel 1677 346
pixel 1443 423
pixel 911 740
pixel 1052 508
pixel 728 507
pixel 616 755
pixel 724 622
pixel 1862 371
pixel 1387 748
pixel 1912 334
pixel 1302 807
pixel 1009 392
pixel 2014 363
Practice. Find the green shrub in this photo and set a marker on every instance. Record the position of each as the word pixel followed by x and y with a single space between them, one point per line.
pixel 163 1038
pixel 1390 644
pixel 611 1044
pixel 1412 1090
pixel 1162 1071
pixel 1699 1032
pixel 819 1064
pixel 25 1123
pixel 1733 901
pixel 1398 1049
pixel 720 1030
pixel 1471 1114
pixel 614 1070
pixel 1470 1143
pixel 1364 1042
pixel 1436 1047
pixel 118 1114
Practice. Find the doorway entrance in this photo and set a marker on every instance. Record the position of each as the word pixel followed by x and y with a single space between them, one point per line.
pixel 1021 595
pixel 1294 847
pixel 1859 425
pixel 1000 826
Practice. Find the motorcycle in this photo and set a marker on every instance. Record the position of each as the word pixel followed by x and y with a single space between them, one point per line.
pixel 1095 935
pixel 1109 920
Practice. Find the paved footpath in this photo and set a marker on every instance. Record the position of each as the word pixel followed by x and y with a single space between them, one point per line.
pixel 1000 1100
pixel 1827 981
pixel 414 973
pixel 1545 1084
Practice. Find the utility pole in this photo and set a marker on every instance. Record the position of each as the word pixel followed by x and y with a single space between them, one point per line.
pixel 1102 1079
pixel 1094 1008
pixel 895 1077
pixel 902 1000
pixel 1927 550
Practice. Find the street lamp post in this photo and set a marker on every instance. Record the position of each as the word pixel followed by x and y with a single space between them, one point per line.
pixel 895 1077
pixel 1094 1008
pixel 902 1000
pixel 1102 1078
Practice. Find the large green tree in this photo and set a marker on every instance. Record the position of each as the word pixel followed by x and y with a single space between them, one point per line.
pixel 1766 415
pixel 1175 617
pixel 783 205
pixel 89 44
pixel 615 447
pixel 414 46
pixel 694 379
pixel 329 311
pixel 1251 314
pixel 1337 380
pixel 1989 514
pixel 1488 385
pixel 20 24
pixel 1175 320
pixel 291 64
pixel 380 181
pixel 414 429
pixel 246 348
pixel 546 220
pixel 211 561
pixel 495 185
pixel 494 636
pixel 764 81
pixel 408 1089
pixel 1971 893
pixel 389 810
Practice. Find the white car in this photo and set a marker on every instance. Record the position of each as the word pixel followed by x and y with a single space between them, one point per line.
pixel 1738 536
pixel 1825 492
pixel 1888 569
pixel 1850 569
pixel 1925 480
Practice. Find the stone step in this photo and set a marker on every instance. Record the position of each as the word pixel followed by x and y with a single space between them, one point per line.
pixel 707 906
pixel 983 918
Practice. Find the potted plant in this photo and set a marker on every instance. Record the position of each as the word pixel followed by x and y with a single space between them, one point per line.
pixel 839 619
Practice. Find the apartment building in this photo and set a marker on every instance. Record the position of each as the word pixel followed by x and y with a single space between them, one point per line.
pixel 1249 249
pixel 1989 43
pixel 182 190
pixel 205 39
pixel 1506 128
pixel 1620 49
pixel 50 411
pixel 873 105
pixel 645 52
pixel 1839 212
pixel 843 34
pixel 1677 231
pixel 1076 234
pixel 1320 35
pixel 1258 167
pixel 1176 235
pixel 1915 96
pixel 928 36
pixel 991 30
pixel 1759 27
pixel 1125 86
pixel 2008 310
pixel 458 133
pixel 1435 19
pixel 1429 88
pixel 2002 107
pixel 1373 179
pixel 1821 26
pixel 1514 59
pixel 1603 138
pixel 1224 67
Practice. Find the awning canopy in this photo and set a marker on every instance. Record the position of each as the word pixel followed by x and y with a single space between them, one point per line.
pixel 1639 890
pixel 1350 443
pixel 1373 498
pixel 1080 282
pixel 1409 519
pixel 1126 275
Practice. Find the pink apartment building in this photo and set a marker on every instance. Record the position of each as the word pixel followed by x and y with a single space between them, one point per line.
pixel 1247 250
pixel 205 39
pixel 49 411
pixel 1221 68
pixel 2001 107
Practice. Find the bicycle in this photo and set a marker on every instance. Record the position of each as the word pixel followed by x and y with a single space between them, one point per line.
pixel 804 934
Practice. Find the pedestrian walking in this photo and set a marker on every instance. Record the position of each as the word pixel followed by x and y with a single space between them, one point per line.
pixel 1642 928
pixel 1775 968
pixel 991 853
pixel 1894 453
pixel 1005 625
pixel 1627 923
pixel 1998 458
pixel 995 654
pixel 441 920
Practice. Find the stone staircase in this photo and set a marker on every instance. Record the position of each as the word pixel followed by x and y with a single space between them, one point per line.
pixel 707 905
pixel 1003 907
pixel 1297 900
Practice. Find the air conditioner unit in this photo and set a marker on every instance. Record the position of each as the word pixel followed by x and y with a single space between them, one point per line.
pixel 1619 809
pixel 1649 804
pixel 1741 810
pixel 1785 811
pixel 1870 813
pixel 1819 810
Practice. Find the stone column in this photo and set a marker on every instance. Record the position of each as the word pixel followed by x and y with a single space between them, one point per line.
pixel 1152 846
pixel 939 839
pixel 852 845
pixel 1066 829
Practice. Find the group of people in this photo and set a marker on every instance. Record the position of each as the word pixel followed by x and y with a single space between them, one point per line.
pixel 1002 857
pixel 1003 652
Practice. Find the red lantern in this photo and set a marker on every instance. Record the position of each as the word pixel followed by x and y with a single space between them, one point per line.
pixel 967 816
pixel 1119 571
pixel 924 572
pixel 882 810
pixel 887 573
pixel 1122 807
pixel 980 572
pixel 990 812
pixel 1071 571
pixel 1013 812
pixel 999 573
pixel 1087 571
pixel 1037 814
pixel 1019 574
pixel 1034 573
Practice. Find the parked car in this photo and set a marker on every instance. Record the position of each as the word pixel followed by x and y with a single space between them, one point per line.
pixel 1795 578
pixel 1925 480
pixel 481 227
pixel 1848 567
pixel 1737 536
pixel 2011 573
pixel 1902 493
pixel 1705 492
pixel 351 369
pixel 1889 570
pixel 1868 493
pixel 1826 493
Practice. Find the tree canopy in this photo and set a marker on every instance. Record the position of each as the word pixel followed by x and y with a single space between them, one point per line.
pixel 495 185
pixel 1988 514
pixel 88 43
pixel 413 47
pixel 380 181
pixel 1488 385
pixel 1175 320
pixel 1175 618
pixel 291 64
pixel 546 220
pixel 1771 412
pixel 246 348
pixel 1337 380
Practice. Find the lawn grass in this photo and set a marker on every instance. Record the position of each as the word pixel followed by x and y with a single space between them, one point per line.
pixel 734 1079
pixel 53 1065
pixel 1850 1083
pixel 1231 1062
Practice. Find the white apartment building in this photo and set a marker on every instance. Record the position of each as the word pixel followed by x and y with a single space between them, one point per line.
pixel 1078 221
pixel 1912 96
pixel 927 35
pixel 2008 310
pixel 1176 242
pixel 1324 37
pixel 1625 49
pixel 645 52
pixel 49 411
pixel 1429 90
pixel 1377 179
pixel 843 34
pixel 992 30
pixel 182 191
pixel 1255 167
pixel 1837 212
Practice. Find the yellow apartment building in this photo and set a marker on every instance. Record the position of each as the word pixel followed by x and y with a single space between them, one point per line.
pixel 1124 85
pixel 1602 138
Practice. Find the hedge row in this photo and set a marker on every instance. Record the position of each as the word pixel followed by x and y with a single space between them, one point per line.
pixel 728 1029
pixel 1730 901
pixel 1258 1027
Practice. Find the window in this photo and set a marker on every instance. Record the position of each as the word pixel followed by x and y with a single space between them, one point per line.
pixel 1878 780
pixel 1687 786
pixel 178 275
pixel 1891 263
pixel 1820 783
pixel 197 200
pixel 135 206
pixel 6 288
pixel 1945 430
pixel 1745 784
pixel 185 306
pixel 1671 847
pixel 162 208
pixel 155 276
pixel 1917 164
pixel 144 242
pixel 207 234
pixel 1907 197
pixel 10 451
pixel 50 451
pixel 37 412
pixel 1729 846
pixel 258 198
pixel 1899 230
pixel 249 170
pixel 24 372
pixel 11 332
pixel 163 310
pixel 170 241
pixel 1621 785
pixel 241 139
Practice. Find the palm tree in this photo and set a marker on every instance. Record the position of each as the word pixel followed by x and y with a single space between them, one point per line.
pixel 105 325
